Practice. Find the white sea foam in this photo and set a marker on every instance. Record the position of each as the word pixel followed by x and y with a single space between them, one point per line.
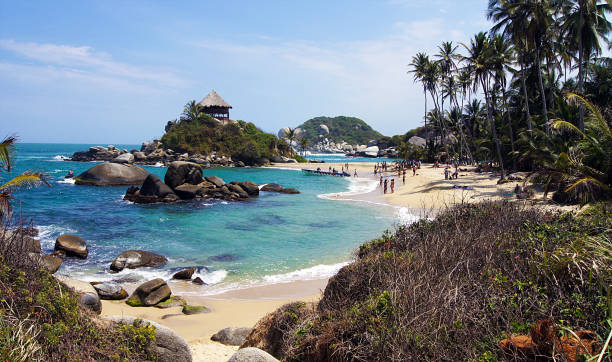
pixel 68 181
pixel 158 164
pixel 60 158
pixel 357 186
pixel 316 272
pixel 48 233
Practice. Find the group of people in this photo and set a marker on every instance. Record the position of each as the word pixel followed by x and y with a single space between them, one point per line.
pixel 385 182
pixel 400 167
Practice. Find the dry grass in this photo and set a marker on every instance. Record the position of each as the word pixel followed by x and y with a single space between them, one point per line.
pixel 452 288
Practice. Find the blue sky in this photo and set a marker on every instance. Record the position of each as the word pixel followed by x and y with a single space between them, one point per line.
pixel 117 71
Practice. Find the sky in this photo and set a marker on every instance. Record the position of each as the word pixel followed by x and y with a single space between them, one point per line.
pixel 116 71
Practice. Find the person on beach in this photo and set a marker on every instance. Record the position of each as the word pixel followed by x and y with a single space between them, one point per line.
pixel 355 174
pixel 446 173
pixel 404 177
pixel 381 180
pixel 385 187
pixel 392 184
pixel 413 170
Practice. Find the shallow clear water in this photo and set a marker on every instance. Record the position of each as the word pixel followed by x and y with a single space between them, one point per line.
pixel 273 238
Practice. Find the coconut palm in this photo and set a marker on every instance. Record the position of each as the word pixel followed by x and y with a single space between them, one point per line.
pixel 584 171
pixel 303 145
pixel 585 23
pixel 481 58
pixel 290 136
pixel 191 111
pixel 419 65
pixel 25 180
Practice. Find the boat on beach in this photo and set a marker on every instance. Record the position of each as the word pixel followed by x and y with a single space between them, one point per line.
pixel 325 173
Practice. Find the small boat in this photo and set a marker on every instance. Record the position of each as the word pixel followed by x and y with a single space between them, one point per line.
pixel 325 173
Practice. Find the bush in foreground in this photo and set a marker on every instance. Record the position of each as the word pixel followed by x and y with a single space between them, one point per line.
pixel 41 319
pixel 452 288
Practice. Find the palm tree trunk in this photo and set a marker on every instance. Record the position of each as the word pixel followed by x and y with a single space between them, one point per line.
pixel 580 69
pixel 514 168
pixel 544 107
pixel 523 76
pixel 494 130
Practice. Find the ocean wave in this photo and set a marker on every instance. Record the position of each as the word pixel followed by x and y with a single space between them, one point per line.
pixel 139 275
pixel 48 233
pixel 316 272
pixel 59 158
pixel 68 181
pixel 158 164
pixel 357 186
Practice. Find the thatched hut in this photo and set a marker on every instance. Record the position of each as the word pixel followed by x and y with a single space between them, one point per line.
pixel 215 106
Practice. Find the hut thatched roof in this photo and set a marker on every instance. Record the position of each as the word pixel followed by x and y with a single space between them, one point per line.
pixel 214 100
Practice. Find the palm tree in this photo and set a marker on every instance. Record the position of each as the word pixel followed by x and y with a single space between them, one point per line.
pixel 584 21
pixel 303 145
pixel 481 59
pixel 419 65
pixel 290 135
pixel 586 168
pixel 25 180
pixel 191 111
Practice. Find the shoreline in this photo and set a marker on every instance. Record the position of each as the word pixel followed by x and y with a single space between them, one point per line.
pixel 421 196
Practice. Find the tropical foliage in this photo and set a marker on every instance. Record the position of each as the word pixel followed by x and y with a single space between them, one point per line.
pixel 197 132
pixel 498 98
pixel 352 130
pixel 25 180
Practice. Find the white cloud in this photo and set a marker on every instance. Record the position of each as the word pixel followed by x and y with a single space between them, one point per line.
pixel 83 63
pixel 366 78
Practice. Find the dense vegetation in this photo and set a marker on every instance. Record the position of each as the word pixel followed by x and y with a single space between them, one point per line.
pixel 41 319
pixel 502 96
pixel 352 130
pixel 450 289
pixel 197 132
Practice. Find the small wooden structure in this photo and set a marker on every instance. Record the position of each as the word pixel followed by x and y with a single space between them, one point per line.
pixel 215 106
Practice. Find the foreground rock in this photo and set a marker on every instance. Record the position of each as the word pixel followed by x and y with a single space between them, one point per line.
pixel 232 336
pixel 50 263
pixel 251 354
pixel 72 245
pixel 110 291
pixel 133 259
pixel 173 301
pixel 88 297
pixel 195 309
pixel 149 293
pixel 184 274
pixel 112 174
pixel 169 346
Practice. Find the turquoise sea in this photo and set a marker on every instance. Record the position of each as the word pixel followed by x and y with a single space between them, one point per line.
pixel 271 239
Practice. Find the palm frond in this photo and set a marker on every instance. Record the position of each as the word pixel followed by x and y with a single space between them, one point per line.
pixel 6 149
pixel 561 124
pixel 587 180
pixel 25 180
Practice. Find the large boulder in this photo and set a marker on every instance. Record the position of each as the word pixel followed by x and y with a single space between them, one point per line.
pixel 88 297
pixel 133 259
pixel 371 151
pixel 112 174
pixel 126 158
pixel 169 346
pixel 250 187
pixel 239 190
pixel 251 354
pixel 232 336
pixel 110 291
pixel 272 187
pixel 187 191
pixel 217 181
pixel 323 130
pixel 72 245
pixel 184 274
pixel 417 141
pixel 181 172
pixel 51 262
pixel 150 293
pixel 153 186
pixel 282 133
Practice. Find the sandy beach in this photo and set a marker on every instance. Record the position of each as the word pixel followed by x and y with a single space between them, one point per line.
pixel 421 194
